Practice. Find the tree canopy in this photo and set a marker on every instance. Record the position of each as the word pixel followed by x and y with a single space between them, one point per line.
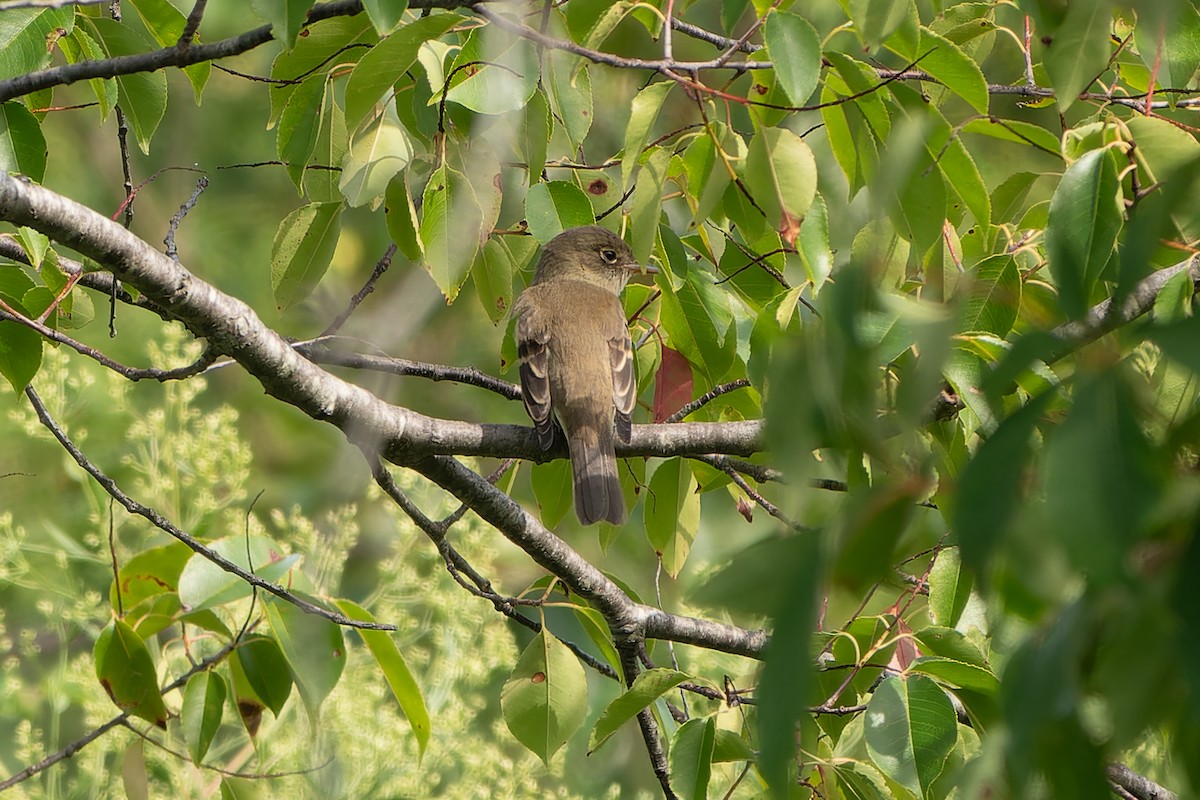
pixel 912 479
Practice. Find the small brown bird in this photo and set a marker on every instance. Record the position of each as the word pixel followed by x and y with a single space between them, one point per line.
pixel 577 360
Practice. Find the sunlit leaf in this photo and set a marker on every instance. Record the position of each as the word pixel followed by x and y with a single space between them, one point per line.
pixel 647 687
pixel 544 700
pixel 911 729
pixel 126 671
pixel 203 703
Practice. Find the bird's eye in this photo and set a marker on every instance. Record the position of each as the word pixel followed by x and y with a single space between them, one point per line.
pixel 609 255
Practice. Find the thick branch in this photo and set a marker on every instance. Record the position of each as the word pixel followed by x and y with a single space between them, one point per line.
pixel 401 435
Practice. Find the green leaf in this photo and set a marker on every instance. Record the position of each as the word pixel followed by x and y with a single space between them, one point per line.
pixel 647 687
pixel 492 274
pixel 493 72
pixel 950 643
pixel 22 146
pixel 80 46
pixel 286 18
pixel 134 778
pixel 787 672
pixel 385 14
pixel 373 76
pixel 303 248
pixel 645 110
pixel 401 217
pixel 203 703
pixel 203 584
pixel 149 573
pixel 1178 340
pixel 813 242
pixel 949 588
pixel 166 23
pixel 1014 130
pixel 957 674
pixel 556 206
pixel 995 296
pixel 23 37
pixel 876 20
pixel 328 42
pixel 126 671
pixel 376 155
pixel 544 700
pixel 911 728
pixel 450 229
pixel 1079 49
pixel 781 174
pixel 395 670
pixel 691 758
pixel 260 664
pixel 553 488
pixel 20 354
pixel 143 95
pixel 697 318
pixel 672 513
pixel 952 67
pixel 536 128
pixel 321 185
pixel 299 126
pixel 989 489
pixel 1085 218
pixel 795 49
pixel 646 207
pixel 571 95
pixel 314 649
pixel 729 746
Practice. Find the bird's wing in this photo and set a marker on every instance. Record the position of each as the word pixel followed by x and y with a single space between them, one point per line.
pixel 533 340
pixel 620 356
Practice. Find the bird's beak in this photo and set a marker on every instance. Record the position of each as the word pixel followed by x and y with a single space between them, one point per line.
pixel 633 266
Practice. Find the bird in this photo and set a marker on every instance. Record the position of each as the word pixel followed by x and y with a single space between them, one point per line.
pixel 576 360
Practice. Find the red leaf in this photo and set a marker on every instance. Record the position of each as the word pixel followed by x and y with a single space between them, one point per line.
pixel 672 385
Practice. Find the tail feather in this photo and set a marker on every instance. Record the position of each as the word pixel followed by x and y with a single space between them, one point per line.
pixel 597 488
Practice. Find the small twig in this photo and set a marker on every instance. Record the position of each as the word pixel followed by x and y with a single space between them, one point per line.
pixel 381 266
pixel 192 25
pixel 173 225
pixel 163 524
pixel 706 398
pixel 252 776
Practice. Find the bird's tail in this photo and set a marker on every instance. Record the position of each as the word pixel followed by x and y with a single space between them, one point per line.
pixel 597 488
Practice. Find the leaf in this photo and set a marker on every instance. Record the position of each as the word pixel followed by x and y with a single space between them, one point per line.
pixel 989 489
pixel 995 296
pixel 1085 218
pixel 814 245
pixel 166 23
pixel 22 146
pixel 299 126
pixel 80 46
pixel 949 588
pixel 787 672
pixel 641 119
pixel 553 488
pixel 395 670
pixel 673 385
pixel 795 49
pixel 537 126
pixel 957 674
pixel 314 52
pixel 556 206
pixel 203 702
pixel 286 18
pixel 910 728
pixel 450 229
pixel 945 61
pixel 126 671
pixel 647 687
pixel 401 217
pixel 1079 49
pixel 1014 130
pixel 645 211
pixel 544 700
pixel 697 319
pixel 376 155
pixel 314 649
pixel 149 573
pixel 492 274
pixel 303 248
pixel 134 778
pixel 571 95
pixel 143 95
pixel 493 73
pixel 203 584
pixel 672 514
pixel 385 14
pixel 20 354
pixel 23 36
pixel 691 758
pixel 781 174
pixel 950 643
pixel 876 20
pixel 259 661
pixel 380 67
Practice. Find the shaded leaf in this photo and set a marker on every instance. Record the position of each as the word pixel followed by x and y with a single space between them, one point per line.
pixel 303 248
pixel 544 700
pixel 647 687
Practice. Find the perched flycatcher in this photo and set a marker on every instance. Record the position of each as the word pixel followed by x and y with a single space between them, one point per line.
pixel 577 360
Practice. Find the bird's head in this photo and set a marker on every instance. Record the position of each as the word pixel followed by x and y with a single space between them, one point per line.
pixel 592 254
